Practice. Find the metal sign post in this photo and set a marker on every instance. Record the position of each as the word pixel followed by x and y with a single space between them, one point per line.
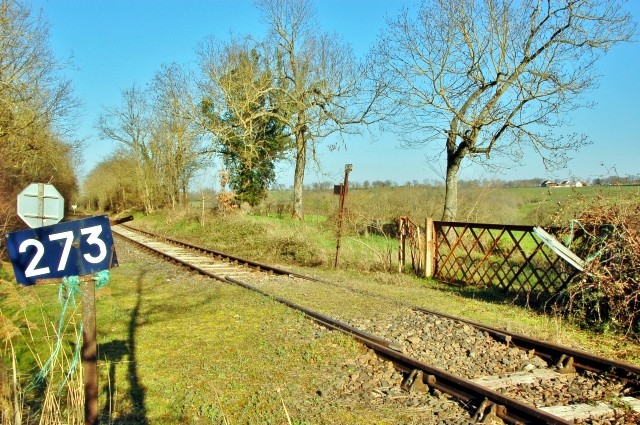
pixel 344 188
pixel 89 352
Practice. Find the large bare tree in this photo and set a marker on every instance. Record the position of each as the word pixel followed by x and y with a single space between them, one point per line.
pixel 493 77
pixel 319 82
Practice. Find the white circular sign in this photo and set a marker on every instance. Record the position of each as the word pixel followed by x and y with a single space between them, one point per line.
pixel 40 204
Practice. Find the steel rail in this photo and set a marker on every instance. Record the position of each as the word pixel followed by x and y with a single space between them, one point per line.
pixel 462 389
pixel 553 352
pixel 255 264
pixel 508 409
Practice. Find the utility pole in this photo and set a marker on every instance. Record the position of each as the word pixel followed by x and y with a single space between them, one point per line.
pixel 344 188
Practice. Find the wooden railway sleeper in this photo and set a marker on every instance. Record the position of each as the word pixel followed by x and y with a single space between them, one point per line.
pixel 565 364
pixel 489 413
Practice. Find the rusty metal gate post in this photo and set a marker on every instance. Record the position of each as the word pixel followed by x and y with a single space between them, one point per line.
pixel 89 351
pixel 344 188
pixel 402 233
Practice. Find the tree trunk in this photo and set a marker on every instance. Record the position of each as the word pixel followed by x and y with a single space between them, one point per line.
pixel 298 178
pixel 451 187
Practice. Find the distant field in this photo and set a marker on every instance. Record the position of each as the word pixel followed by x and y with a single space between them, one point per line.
pixel 530 205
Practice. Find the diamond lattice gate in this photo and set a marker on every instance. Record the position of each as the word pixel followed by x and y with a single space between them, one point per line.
pixel 509 257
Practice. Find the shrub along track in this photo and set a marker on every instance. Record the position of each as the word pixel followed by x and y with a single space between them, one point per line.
pixel 493 374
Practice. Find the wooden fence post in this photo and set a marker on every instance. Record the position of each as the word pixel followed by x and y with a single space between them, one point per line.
pixel 401 246
pixel 419 248
pixel 429 248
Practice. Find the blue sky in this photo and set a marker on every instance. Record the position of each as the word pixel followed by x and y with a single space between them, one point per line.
pixel 114 44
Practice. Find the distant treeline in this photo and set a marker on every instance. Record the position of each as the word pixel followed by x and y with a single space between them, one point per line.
pixel 366 184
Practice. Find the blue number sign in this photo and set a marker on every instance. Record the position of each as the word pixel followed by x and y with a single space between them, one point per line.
pixel 72 248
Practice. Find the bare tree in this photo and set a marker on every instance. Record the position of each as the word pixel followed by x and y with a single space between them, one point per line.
pixel 319 83
pixel 176 144
pixel 36 104
pixel 31 89
pixel 129 125
pixel 487 77
pixel 158 128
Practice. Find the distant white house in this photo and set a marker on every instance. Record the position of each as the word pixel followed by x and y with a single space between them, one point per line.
pixel 566 183
pixel 574 183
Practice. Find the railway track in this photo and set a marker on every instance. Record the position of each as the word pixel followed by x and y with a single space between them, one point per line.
pixel 518 386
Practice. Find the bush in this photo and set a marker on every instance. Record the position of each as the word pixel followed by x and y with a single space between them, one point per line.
pixel 607 294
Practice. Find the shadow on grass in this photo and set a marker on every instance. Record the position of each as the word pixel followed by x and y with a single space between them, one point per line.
pixel 492 295
pixel 113 352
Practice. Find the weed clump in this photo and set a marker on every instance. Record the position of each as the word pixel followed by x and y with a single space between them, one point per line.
pixel 57 396
pixel 607 236
pixel 295 249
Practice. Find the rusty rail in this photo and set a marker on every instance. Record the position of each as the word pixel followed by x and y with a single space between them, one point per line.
pixel 552 353
pixel 219 254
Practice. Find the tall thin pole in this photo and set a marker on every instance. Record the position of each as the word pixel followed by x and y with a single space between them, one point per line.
pixel 89 351
pixel 343 195
pixel 202 221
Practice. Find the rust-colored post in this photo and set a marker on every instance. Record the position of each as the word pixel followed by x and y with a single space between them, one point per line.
pixel 420 247
pixel 429 248
pixel 202 222
pixel 89 351
pixel 424 249
pixel 343 194
pixel 401 245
